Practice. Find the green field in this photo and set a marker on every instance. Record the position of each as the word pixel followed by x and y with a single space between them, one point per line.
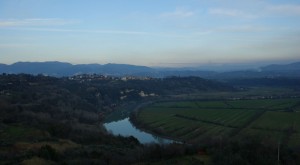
pixel 195 121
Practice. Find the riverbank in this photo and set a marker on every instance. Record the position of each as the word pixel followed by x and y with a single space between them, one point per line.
pixel 143 127
pixel 118 123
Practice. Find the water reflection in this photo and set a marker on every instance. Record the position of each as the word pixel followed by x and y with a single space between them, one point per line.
pixel 125 128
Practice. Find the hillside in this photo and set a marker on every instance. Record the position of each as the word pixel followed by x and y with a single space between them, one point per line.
pixel 58 120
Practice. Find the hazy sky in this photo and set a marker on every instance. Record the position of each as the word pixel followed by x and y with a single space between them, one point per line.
pixel 149 32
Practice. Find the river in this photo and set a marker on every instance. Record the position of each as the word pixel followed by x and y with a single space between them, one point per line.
pixel 124 127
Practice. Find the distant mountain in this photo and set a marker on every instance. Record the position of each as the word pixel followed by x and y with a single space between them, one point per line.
pixel 50 68
pixel 269 71
pixel 287 67
pixel 54 68
pixel 58 69
pixel 124 69
pixel 287 70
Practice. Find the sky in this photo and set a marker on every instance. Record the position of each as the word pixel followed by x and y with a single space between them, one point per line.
pixel 150 32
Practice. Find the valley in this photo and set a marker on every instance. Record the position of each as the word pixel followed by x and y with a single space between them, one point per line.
pixel 80 119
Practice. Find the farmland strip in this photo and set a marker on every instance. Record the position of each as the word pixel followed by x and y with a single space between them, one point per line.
pixel 204 121
pixel 246 124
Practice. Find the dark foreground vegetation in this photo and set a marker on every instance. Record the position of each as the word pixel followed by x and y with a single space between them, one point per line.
pixel 58 120
pixel 47 120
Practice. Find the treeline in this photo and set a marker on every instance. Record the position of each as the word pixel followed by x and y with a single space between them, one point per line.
pixel 52 99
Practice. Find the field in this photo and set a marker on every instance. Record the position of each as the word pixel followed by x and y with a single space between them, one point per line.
pixel 195 121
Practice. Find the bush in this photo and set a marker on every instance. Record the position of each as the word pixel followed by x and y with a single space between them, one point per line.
pixel 47 152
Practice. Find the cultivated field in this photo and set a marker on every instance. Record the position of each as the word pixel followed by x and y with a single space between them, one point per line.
pixel 195 121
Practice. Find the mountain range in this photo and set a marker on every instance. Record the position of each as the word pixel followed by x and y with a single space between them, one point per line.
pixel 59 69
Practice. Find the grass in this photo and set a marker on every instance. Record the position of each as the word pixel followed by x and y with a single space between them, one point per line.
pixel 278 120
pixel 37 161
pixel 294 140
pixel 269 104
pixel 59 145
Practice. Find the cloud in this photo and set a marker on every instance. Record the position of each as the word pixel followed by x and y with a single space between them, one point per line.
pixel 16 45
pixel 178 14
pixel 230 13
pixel 83 31
pixel 284 9
pixel 34 22
pixel 242 28
pixel 100 31
pixel 200 33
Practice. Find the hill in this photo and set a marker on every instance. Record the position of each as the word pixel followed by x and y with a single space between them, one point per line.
pixel 58 120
